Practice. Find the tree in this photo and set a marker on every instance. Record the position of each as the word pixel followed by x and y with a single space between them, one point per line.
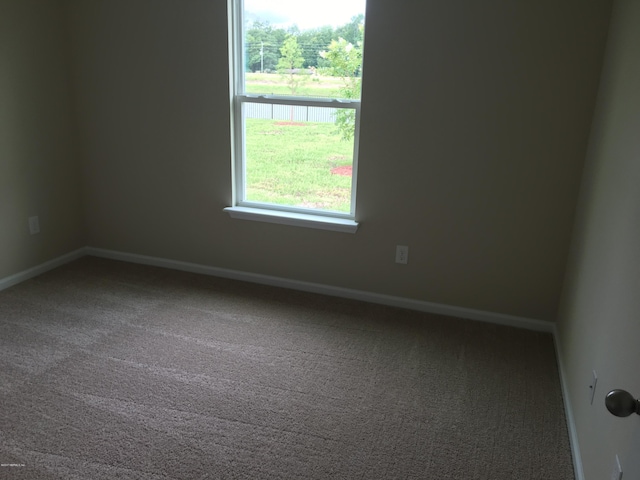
pixel 311 42
pixel 353 31
pixel 345 61
pixel 262 44
pixel 290 62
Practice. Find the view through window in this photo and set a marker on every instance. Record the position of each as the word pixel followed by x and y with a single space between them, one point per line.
pixel 297 83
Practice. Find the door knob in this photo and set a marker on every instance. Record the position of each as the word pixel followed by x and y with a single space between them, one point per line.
pixel 621 403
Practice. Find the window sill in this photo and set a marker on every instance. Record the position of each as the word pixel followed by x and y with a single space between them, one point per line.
pixel 293 219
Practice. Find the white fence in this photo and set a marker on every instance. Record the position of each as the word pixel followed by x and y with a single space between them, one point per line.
pixel 300 113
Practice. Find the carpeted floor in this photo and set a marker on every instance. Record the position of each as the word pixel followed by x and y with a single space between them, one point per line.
pixel 113 370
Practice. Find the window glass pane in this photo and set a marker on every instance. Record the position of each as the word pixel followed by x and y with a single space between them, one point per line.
pixel 299 156
pixel 310 48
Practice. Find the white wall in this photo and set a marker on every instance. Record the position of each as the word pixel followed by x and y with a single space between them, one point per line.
pixel 477 170
pixel 599 324
pixel 39 170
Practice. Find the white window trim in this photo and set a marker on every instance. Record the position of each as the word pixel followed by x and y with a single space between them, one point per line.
pixel 265 212
pixel 295 219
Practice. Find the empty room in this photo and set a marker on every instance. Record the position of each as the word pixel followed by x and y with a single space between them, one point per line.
pixel 355 239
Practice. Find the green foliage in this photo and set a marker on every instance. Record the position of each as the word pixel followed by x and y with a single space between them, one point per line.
pixel 352 31
pixel 290 63
pixel 311 42
pixel 345 61
pixel 262 36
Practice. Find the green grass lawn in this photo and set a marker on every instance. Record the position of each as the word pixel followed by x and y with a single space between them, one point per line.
pixel 290 164
pixel 275 84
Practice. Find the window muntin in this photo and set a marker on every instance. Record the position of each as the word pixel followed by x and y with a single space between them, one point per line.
pixel 295 147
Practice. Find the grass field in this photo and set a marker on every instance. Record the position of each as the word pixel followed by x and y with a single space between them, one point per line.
pixel 275 84
pixel 291 164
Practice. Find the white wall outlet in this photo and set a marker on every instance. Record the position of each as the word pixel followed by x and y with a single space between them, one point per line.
pixel 402 254
pixel 616 473
pixel 592 386
pixel 34 225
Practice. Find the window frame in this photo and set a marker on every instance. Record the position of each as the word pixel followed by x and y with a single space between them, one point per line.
pixel 268 212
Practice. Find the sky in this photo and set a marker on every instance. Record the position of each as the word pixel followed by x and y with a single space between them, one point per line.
pixel 304 13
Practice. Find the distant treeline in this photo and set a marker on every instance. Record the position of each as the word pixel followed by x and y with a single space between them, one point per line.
pixel 263 37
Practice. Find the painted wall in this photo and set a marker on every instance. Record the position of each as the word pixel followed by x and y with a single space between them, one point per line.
pixel 475 120
pixel 599 324
pixel 39 171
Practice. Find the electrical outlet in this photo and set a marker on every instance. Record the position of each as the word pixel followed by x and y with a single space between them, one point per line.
pixel 616 473
pixel 402 254
pixel 592 386
pixel 34 225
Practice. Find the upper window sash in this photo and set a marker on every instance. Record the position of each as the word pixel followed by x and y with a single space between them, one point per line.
pixel 238 58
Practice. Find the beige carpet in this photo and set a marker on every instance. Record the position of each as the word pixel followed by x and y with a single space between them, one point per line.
pixel 112 370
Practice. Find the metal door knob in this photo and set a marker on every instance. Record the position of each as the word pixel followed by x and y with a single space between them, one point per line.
pixel 621 403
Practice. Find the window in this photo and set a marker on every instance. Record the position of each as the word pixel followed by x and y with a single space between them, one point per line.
pixel 297 73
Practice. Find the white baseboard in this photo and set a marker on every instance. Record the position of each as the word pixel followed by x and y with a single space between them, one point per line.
pixel 429 307
pixel 568 410
pixel 378 298
pixel 40 269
